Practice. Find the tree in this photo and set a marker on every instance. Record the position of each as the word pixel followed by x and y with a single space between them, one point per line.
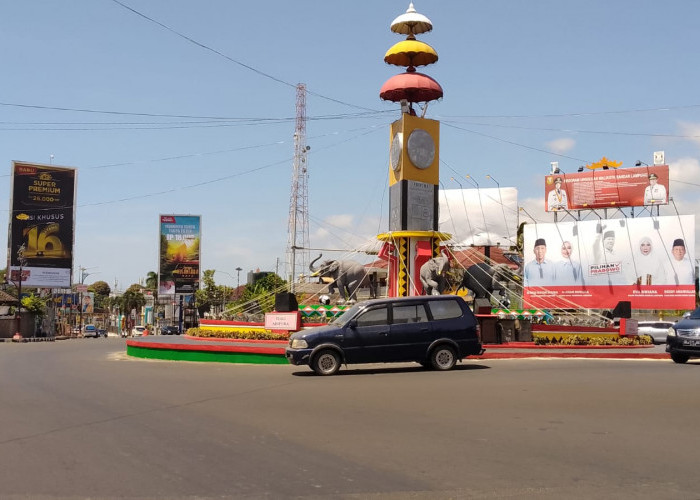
pixel 263 292
pixel 209 294
pixel 131 299
pixel 101 290
pixel 35 305
pixel 152 280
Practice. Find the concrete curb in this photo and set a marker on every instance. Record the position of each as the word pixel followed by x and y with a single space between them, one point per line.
pixel 272 352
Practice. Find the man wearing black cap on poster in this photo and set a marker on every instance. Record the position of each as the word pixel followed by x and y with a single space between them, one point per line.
pixel 654 193
pixel 557 199
pixel 610 266
pixel 682 271
pixel 539 271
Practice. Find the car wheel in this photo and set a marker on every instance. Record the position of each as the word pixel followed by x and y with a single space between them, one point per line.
pixel 443 357
pixel 679 358
pixel 326 362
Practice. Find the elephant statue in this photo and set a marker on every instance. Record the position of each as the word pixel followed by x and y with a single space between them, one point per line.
pixel 432 275
pixel 347 276
pixel 483 280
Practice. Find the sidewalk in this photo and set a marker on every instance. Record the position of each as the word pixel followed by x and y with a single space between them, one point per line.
pixel 183 347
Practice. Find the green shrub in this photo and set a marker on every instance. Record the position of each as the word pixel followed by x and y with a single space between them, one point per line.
pixel 236 334
pixel 594 341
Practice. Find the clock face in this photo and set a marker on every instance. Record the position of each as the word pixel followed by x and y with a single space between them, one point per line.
pixel 396 148
pixel 421 148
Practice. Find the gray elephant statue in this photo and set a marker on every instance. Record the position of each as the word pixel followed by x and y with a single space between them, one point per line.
pixel 432 275
pixel 347 276
pixel 483 280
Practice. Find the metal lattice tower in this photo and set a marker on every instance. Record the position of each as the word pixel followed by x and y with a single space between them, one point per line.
pixel 298 237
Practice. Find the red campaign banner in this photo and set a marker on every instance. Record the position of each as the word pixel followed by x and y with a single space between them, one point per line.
pixel 647 260
pixel 607 188
pixel 605 297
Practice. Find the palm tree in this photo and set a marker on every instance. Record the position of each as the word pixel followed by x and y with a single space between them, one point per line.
pixel 152 280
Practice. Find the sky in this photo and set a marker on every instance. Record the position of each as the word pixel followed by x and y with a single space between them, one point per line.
pixel 181 107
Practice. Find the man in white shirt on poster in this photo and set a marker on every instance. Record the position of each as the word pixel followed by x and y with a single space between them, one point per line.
pixel 654 193
pixel 557 198
pixel 681 268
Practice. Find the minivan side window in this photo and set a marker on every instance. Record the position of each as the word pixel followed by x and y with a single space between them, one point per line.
pixel 373 317
pixel 445 309
pixel 413 313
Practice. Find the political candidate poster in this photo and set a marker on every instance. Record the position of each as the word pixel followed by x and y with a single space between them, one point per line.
pixel 607 188
pixel 179 254
pixel 42 215
pixel 649 261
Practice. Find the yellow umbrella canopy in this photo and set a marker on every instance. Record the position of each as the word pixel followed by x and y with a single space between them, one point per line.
pixel 410 53
pixel 411 23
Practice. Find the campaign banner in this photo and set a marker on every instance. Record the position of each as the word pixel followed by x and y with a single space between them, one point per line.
pixel 42 215
pixel 649 261
pixel 607 188
pixel 179 254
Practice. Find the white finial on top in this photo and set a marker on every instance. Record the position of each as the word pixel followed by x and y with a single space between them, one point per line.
pixel 411 23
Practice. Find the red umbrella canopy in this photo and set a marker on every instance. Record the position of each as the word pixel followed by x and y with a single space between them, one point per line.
pixel 412 86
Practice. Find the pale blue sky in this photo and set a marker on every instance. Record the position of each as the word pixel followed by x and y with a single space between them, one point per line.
pixel 526 83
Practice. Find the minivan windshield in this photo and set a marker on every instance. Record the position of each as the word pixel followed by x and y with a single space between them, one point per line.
pixel 347 315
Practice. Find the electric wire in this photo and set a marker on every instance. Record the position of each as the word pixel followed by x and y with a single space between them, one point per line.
pixel 228 58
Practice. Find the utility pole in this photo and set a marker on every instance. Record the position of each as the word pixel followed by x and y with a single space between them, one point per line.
pixel 298 232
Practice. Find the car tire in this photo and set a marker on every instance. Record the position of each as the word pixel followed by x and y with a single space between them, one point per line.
pixel 326 362
pixel 443 357
pixel 679 358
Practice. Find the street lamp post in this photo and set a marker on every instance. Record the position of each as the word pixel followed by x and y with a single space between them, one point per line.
pixel 238 278
pixel 500 198
pixel 83 275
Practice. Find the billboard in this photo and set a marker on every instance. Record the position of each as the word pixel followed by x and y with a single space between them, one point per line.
pixel 179 254
pixel 480 217
pixel 607 188
pixel 42 215
pixel 649 261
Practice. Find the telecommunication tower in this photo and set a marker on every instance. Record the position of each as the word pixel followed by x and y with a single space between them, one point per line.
pixel 298 232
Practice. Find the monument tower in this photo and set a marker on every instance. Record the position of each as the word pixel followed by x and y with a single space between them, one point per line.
pixel 413 236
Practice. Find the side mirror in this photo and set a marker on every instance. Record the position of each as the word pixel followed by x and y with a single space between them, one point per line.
pixel 352 324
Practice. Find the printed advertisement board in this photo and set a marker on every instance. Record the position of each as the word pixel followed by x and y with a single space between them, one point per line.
pixel 179 254
pixel 607 188
pixel 42 214
pixel 649 261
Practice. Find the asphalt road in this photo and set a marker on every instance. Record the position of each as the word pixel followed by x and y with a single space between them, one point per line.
pixel 80 419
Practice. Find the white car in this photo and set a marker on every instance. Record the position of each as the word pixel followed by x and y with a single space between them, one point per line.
pixel 138 331
pixel 90 331
pixel 657 330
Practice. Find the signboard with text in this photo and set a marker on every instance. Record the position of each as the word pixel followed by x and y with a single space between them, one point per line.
pixel 42 214
pixel 649 261
pixel 179 254
pixel 607 188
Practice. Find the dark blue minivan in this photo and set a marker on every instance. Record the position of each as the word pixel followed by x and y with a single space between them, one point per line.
pixel 433 330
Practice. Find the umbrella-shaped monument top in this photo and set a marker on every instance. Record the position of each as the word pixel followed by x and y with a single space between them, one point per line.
pixel 411 23
pixel 411 86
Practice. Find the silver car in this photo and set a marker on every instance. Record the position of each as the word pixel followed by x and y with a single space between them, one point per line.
pixel 90 331
pixel 657 330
